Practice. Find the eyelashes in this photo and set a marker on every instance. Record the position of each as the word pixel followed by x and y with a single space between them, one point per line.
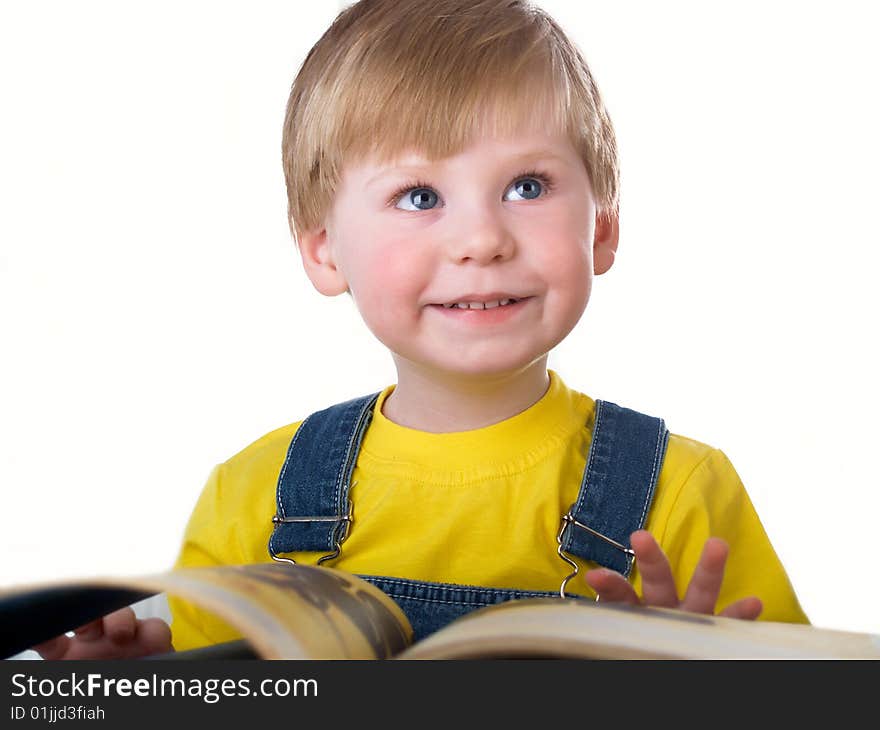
pixel 406 188
pixel 542 177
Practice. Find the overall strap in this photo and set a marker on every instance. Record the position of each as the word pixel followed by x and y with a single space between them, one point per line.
pixel 313 507
pixel 621 472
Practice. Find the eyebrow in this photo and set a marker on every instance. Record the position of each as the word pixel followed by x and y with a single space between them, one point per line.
pixel 534 155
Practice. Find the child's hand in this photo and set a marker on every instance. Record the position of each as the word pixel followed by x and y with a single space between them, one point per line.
pixel 119 635
pixel 658 585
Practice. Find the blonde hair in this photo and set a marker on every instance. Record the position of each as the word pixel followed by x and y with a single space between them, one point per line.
pixel 428 75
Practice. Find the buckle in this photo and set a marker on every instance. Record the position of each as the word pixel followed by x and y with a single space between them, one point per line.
pixel 345 519
pixel 568 519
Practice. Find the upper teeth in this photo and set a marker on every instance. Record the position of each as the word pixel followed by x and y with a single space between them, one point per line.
pixel 480 305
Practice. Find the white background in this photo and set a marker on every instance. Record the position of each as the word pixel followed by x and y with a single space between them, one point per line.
pixel 154 318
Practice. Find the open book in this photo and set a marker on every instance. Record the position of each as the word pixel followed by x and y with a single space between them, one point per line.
pixel 305 612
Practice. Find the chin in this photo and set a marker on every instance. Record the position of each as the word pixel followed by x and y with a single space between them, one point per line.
pixel 485 366
pixel 474 359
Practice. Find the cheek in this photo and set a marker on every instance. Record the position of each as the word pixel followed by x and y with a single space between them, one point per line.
pixel 566 257
pixel 574 285
pixel 388 283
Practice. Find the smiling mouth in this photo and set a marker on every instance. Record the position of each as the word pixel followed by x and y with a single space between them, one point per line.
pixel 492 304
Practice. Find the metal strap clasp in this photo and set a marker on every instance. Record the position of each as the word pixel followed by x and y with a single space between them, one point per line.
pixel 568 519
pixel 345 519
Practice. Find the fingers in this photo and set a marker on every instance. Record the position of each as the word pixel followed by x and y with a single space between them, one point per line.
pixel 121 626
pixel 118 626
pixel 702 592
pixel 54 648
pixel 103 638
pixel 154 636
pixel 658 584
pixel 91 631
pixel 747 609
pixel 611 587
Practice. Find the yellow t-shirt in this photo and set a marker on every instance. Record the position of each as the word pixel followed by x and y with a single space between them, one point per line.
pixel 482 508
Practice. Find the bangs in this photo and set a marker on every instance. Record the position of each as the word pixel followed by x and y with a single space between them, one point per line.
pixel 440 114
pixel 434 135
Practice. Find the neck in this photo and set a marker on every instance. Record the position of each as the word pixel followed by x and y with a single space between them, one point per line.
pixel 426 400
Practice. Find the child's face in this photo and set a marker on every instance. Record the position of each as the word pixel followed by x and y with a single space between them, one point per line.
pixel 505 219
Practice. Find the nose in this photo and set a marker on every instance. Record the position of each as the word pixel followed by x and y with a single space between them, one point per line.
pixel 481 239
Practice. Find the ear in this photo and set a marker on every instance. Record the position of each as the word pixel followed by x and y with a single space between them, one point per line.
pixel 605 241
pixel 319 262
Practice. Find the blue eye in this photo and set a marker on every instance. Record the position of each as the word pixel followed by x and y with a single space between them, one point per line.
pixel 529 188
pixel 421 196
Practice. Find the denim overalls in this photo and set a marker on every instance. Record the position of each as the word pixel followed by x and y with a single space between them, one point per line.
pixel 314 512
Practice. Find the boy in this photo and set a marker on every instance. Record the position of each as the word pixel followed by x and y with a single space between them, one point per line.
pixel 450 165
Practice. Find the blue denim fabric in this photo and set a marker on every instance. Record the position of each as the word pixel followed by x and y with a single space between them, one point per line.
pixel 626 454
pixel 430 606
pixel 618 483
pixel 316 476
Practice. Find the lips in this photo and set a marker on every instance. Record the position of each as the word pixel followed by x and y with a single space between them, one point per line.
pixel 487 300
pixel 490 304
pixel 480 314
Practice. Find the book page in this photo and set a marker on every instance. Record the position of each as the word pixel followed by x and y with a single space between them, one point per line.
pixel 576 629
pixel 282 611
